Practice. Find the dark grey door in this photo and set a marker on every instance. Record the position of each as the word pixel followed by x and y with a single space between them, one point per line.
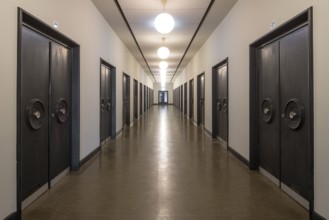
pixel 185 98
pixel 295 133
pixel 201 99
pixel 60 109
pixel 34 111
pixel 145 97
pixel 148 97
pixel 45 106
pixel 269 102
pixel 191 106
pixel 181 98
pixel 135 99
pixel 163 97
pixel 222 102
pixel 105 103
pixel 284 111
pixel 126 101
pixel 140 98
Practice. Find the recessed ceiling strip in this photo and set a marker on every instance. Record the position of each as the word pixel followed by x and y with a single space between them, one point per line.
pixel 132 34
pixel 196 32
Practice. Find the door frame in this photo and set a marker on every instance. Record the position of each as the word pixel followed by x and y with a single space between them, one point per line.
pixel 26 19
pixel 214 98
pixel 113 96
pixel 302 19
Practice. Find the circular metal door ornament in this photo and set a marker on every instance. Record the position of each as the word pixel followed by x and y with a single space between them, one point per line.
pixel 35 114
pixel 61 110
pixel 294 114
pixel 267 110
pixel 225 105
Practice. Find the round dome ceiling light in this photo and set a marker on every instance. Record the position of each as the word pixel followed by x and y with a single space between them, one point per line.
pixel 163 52
pixel 163 65
pixel 164 23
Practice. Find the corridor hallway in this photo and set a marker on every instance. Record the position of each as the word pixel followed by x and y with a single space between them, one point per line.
pixel 164 168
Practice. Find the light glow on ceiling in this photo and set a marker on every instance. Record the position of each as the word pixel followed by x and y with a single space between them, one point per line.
pixel 163 71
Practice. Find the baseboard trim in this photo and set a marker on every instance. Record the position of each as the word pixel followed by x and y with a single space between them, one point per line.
pixel 238 156
pixel 316 216
pixel 59 177
pixel 106 140
pixel 207 131
pixel 12 216
pixel 119 132
pixel 34 196
pixel 89 156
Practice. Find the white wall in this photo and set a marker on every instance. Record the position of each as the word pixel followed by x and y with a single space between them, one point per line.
pixel 168 87
pixel 80 21
pixel 246 22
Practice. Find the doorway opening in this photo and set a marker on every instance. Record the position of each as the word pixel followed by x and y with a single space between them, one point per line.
pixel 201 100
pixel 281 107
pixel 126 101
pixel 48 108
pixel 191 99
pixel 107 102
pixel 135 99
pixel 163 97
pixel 185 99
pixel 140 99
pixel 220 102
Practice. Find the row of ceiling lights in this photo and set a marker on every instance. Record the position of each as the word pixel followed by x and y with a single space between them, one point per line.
pixel 164 23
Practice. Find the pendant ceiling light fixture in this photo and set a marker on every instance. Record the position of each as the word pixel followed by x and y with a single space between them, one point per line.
pixel 163 52
pixel 163 65
pixel 164 22
pixel 163 72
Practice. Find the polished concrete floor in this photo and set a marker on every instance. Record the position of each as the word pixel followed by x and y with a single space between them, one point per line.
pixel 164 168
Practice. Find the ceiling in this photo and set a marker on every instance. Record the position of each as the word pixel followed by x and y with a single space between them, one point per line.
pixel 132 20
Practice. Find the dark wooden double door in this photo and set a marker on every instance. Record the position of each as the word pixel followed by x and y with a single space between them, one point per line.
pixel 220 88
pixel 45 111
pixel 135 99
pixel 284 112
pixel 201 100
pixel 191 98
pixel 126 101
pixel 163 97
pixel 105 103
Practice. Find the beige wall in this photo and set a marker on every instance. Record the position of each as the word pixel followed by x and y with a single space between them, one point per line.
pixel 80 21
pixel 246 22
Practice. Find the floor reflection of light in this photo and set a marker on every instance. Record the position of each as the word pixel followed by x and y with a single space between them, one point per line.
pixel 164 179
pixel 163 147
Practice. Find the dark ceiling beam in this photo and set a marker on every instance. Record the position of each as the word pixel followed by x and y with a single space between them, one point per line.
pixel 132 34
pixel 196 32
